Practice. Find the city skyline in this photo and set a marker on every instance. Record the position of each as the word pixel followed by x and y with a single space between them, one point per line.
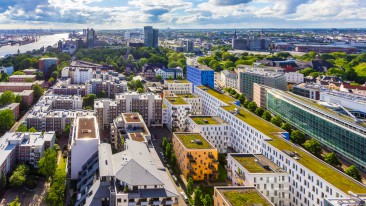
pixel 182 14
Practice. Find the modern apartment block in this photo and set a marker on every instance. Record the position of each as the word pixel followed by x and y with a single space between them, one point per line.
pixel 78 75
pixel 134 176
pixel 352 200
pixel 229 79
pixel 148 105
pixel 45 63
pixel 200 75
pixel 196 157
pixel 311 180
pixel 22 78
pixel 83 143
pixel 178 86
pixel 23 147
pixel 269 76
pixel 129 126
pixel 239 196
pixel 339 132
pixel 213 128
pixel 258 171
pixel 176 110
pixel 194 101
pixel 294 77
pixel 26 95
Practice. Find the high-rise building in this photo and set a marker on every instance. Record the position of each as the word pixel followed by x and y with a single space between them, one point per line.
pixel 200 75
pixel 45 63
pixel 90 37
pixel 151 37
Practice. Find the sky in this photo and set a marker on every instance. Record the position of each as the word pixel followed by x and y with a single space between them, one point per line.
pixel 182 14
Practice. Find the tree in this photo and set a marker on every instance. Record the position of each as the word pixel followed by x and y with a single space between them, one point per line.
pixel 168 151
pixel 32 130
pixel 56 147
pixel 241 98
pixel 15 202
pixel 140 90
pixel 54 75
pixel 38 91
pixel 267 116
pixel 19 176
pixel 277 121
pixel 88 100
pixel 332 159
pixel 29 80
pixel 18 99
pixel 6 118
pixel 2 183
pixel 173 160
pixel 352 171
pixel 190 187
pixel 57 190
pixel 142 62
pixel 252 106
pixel 48 163
pixel 25 63
pixel 159 77
pixel 313 147
pixel 207 200
pixel 22 128
pixel 287 127
pixel 297 136
pixel 164 143
pixel 51 80
pixel 246 103
pixel 306 72
pixel 7 97
pixel 198 197
pixel 259 111
pixel 102 94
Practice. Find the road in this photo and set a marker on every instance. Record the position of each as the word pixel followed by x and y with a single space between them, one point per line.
pixel 159 133
pixel 17 124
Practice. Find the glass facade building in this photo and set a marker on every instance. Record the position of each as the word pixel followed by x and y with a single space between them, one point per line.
pixel 338 132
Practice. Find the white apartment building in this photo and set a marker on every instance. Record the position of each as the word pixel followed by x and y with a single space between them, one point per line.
pixel 78 75
pixel 310 179
pixel 213 128
pixel 194 101
pixel 177 111
pixel 229 79
pixel 84 143
pixel 178 86
pixel 169 73
pixel 294 77
pixel 256 170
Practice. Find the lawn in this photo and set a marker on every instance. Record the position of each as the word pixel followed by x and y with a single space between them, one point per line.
pixel 188 139
pixel 176 100
pixel 245 198
pixel 222 173
pixel 249 164
pixel 203 120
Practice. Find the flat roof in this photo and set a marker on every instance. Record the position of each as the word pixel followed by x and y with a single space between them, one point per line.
pixel 137 136
pixel 176 100
pixel 224 98
pixel 22 76
pixel 177 81
pixel 205 120
pixel 257 163
pixel 86 128
pixel 186 95
pixel 193 140
pixel 131 117
pixel 242 196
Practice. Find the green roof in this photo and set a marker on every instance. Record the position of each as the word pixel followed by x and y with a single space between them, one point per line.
pixel 186 95
pixel 176 100
pixel 249 163
pixel 188 139
pixel 247 197
pixel 177 81
pixel 218 95
pixel 204 120
pixel 163 106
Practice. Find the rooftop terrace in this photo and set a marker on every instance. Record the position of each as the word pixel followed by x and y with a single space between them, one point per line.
pixel 193 141
pixel 176 100
pixel 244 197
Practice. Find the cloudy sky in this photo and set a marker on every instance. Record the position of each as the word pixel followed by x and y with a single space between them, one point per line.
pixel 119 14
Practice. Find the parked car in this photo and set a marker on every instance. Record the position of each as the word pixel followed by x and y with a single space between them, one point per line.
pixel 184 197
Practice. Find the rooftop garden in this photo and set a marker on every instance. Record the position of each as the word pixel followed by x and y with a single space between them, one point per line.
pixel 176 100
pixel 218 95
pixel 186 95
pixel 245 198
pixel 177 81
pixel 249 163
pixel 164 106
pixel 190 141
pixel 204 120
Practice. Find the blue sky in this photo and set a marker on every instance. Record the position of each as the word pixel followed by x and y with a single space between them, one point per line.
pixel 119 14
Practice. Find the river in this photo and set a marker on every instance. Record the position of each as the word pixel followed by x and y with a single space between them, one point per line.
pixel 45 41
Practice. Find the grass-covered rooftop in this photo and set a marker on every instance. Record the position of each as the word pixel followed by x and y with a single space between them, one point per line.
pixel 176 100
pixel 204 120
pixel 177 81
pixel 246 197
pixel 189 140
pixel 186 95
pixel 249 163
pixel 218 95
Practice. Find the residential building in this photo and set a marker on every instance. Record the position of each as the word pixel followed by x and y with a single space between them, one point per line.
pixel 14 107
pixel 193 100
pixel 7 70
pixel 178 86
pixel 235 196
pixel 132 177
pixel 258 171
pixel 251 134
pixel 325 48
pixel 196 157
pixel 200 75
pixel 45 63
pixel 19 86
pixel 30 71
pixel 213 128
pixel 308 90
pixel 24 147
pixel 338 132
pixel 22 78
pixel 269 76
pixel 260 95
pixel 78 75
pixel 169 73
pixel 294 77
pixel 129 126
pixel 352 200
pixel 229 79
pixel 177 110
pixel 83 143
pixel 26 95
pixel 151 37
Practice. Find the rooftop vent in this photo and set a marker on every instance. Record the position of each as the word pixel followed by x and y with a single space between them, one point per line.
pixel 205 121
pixel 197 141
pixel 85 131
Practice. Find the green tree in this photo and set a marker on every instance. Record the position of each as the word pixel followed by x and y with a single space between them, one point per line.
pixel 159 77
pixel 287 127
pixel 332 159
pixel 297 136
pixel 241 98
pixel 51 80
pixel 207 200
pixel 173 64
pixel 164 143
pixel 7 97
pixel 190 186
pixel 313 147
pixel 277 121
pixel 22 128
pixel 259 111
pixel 4 77
pixel 54 75
pixel 102 94
pixel 252 106
pixel 19 176
pixel 168 151
pixel 6 118
pixel 38 91
pixel 198 197
pixel 32 130
pixel 18 99
pixel 352 171
pixel 88 100
pixel 140 90
pixel 246 103
pixel 15 202
pixel 173 160
pixel 29 80
pixel 56 147
pixel 306 72
pixel 48 163
pixel 57 190
pixel 2 183
pixel 25 63
pixel 336 72
pixel 267 115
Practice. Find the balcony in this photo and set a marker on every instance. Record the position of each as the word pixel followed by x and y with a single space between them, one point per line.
pixel 240 175
pixel 192 161
pixel 190 157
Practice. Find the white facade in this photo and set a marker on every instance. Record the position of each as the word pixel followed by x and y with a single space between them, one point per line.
pixel 168 73
pixel 229 79
pixel 217 134
pixel 348 100
pixel 195 102
pixel 176 115
pixel 178 86
pixel 78 75
pixel 294 77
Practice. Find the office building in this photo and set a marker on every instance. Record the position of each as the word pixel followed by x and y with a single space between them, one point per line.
pixel 252 43
pixel 196 157
pixel 355 103
pixel 176 112
pixel 90 38
pixel 188 46
pixel 258 171
pixel 200 75
pixel 213 128
pixel 311 180
pixel 132 177
pixel 83 144
pixel 308 90
pixel 229 79
pixel 338 132
pixel 45 63
pixel 269 76
pixel 239 196
pixel 151 37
